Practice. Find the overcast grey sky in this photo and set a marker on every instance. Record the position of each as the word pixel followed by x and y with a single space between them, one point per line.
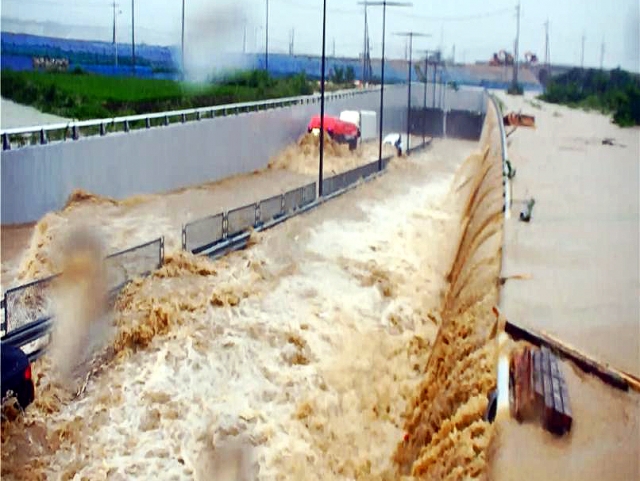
pixel 476 28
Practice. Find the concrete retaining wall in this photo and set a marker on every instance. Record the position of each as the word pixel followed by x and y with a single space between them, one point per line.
pixel 39 179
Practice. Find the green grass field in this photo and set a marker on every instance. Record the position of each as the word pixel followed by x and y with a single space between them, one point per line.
pixel 86 96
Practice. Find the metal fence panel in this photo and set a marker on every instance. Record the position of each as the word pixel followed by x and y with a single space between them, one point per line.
pixel 202 233
pixel 137 261
pixel 308 194
pixel 332 184
pixel 293 200
pixel 371 168
pixel 270 208
pixel 28 303
pixel 241 219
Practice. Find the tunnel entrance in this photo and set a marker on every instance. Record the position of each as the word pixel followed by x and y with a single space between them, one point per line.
pixel 458 124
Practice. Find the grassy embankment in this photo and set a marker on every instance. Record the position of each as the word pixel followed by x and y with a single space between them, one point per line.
pixel 615 92
pixel 85 96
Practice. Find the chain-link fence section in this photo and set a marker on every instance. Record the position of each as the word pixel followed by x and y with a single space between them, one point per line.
pixel 27 303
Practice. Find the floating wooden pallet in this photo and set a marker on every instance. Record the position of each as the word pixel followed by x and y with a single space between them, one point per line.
pixel 539 389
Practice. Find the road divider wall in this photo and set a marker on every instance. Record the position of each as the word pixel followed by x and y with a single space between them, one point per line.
pixel 37 179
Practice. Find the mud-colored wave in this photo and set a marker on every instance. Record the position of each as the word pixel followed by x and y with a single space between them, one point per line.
pixel 446 436
pixel 302 157
pixel 313 346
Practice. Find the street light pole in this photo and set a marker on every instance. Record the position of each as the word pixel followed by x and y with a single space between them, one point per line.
pixel 133 37
pixel 322 78
pixel 383 4
pixel 266 41
pixel 410 55
pixel 516 52
pixel 115 39
pixel 183 38
pixel 409 95
pixel 424 106
pixel 384 17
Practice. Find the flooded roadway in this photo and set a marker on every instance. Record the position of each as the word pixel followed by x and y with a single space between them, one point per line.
pixel 304 348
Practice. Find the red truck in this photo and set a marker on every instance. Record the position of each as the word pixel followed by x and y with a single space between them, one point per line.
pixel 338 130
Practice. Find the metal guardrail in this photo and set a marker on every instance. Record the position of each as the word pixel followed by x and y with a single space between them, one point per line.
pixel 215 235
pixel 208 234
pixel 27 314
pixel 164 118
pixel 506 183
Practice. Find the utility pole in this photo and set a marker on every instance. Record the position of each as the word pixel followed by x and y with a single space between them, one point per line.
pixel 602 54
pixel 435 70
pixel 516 53
pixel 582 53
pixel 244 38
pixel 410 36
pixel 183 38
pixel 133 37
pixel 322 80
pixel 266 41
pixel 115 40
pixel 364 50
pixel 114 22
pixel 333 50
pixel 292 34
pixel 424 105
pixel 546 44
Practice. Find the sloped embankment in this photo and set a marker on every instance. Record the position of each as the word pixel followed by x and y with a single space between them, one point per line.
pixel 446 435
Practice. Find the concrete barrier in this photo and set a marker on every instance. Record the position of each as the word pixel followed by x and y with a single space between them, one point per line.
pixel 38 179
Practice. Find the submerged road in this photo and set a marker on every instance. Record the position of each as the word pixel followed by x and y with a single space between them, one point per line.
pixel 304 348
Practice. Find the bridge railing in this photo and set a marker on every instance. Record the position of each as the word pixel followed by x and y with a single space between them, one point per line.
pixel 75 129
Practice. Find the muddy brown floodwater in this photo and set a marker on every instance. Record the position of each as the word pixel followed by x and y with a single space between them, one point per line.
pixel 580 255
pixel 306 348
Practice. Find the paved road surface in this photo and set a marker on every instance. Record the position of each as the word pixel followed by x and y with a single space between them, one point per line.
pixel 17 115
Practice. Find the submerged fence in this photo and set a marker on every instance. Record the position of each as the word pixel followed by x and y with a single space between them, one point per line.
pixel 28 308
pixel 216 234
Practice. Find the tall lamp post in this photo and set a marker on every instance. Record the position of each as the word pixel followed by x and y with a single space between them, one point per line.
pixel 322 78
pixel 133 38
pixel 182 39
pixel 424 105
pixel 266 40
pixel 410 35
pixel 384 4
pixel 115 39
pixel 426 83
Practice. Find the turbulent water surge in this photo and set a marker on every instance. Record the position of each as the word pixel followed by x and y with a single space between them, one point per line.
pixel 306 356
